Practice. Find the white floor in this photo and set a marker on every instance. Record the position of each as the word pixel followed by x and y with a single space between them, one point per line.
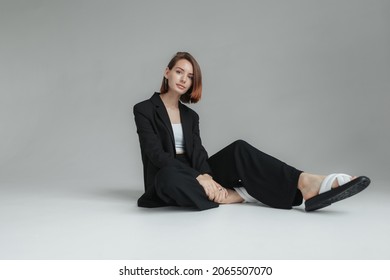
pixel 78 221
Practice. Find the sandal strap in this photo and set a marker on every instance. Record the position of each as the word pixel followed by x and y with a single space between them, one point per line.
pixel 327 183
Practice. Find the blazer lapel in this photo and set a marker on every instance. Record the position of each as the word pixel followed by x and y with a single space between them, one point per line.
pixel 162 113
pixel 185 117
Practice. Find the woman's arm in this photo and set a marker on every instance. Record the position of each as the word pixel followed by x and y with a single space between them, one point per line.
pixel 214 191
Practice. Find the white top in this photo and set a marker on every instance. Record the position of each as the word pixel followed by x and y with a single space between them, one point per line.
pixel 179 138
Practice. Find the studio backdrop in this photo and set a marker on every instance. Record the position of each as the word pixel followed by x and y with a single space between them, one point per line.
pixel 306 81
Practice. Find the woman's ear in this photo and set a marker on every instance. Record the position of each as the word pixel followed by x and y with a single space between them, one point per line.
pixel 166 72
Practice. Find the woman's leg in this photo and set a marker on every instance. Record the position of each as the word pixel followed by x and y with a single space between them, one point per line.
pixel 266 178
pixel 177 187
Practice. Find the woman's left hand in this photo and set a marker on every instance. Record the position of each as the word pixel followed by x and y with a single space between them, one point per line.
pixel 214 191
pixel 221 194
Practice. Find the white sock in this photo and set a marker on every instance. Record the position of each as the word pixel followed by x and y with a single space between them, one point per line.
pixel 245 195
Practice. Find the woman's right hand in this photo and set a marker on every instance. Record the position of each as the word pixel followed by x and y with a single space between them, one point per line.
pixel 214 191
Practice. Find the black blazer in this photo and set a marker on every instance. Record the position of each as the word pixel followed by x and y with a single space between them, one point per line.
pixel 158 147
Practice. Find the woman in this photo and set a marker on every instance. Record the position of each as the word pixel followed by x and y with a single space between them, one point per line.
pixel 177 170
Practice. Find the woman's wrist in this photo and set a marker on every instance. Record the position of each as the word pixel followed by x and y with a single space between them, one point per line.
pixel 203 176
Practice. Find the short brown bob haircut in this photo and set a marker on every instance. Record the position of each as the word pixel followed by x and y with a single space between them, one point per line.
pixel 194 93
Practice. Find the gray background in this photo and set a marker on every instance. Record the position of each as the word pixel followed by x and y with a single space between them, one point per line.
pixel 306 81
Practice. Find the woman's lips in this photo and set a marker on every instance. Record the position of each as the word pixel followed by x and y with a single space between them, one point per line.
pixel 180 86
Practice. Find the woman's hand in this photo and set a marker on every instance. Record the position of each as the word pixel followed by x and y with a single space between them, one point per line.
pixel 214 191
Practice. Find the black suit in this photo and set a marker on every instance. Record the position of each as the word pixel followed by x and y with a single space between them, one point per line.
pixel 157 144
pixel 170 180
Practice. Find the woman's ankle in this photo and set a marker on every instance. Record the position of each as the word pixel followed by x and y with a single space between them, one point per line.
pixel 309 184
pixel 233 197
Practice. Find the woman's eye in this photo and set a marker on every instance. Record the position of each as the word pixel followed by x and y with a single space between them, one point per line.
pixel 191 77
pixel 178 72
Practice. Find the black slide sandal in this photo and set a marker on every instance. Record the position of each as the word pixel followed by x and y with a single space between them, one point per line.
pixel 334 195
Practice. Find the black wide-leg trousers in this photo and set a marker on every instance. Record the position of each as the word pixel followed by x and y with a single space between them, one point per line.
pixel 264 177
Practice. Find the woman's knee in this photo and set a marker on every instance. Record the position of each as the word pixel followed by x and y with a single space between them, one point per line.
pixel 241 144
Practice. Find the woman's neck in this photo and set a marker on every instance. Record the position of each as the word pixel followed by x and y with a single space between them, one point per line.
pixel 170 100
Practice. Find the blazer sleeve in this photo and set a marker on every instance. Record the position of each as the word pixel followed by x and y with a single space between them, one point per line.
pixel 151 144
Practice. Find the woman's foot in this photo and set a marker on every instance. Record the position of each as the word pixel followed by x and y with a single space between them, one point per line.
pixel 319 191
pixel 232 197
pixel 309 184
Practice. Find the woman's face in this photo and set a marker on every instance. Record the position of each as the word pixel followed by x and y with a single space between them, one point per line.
pixel 180 76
